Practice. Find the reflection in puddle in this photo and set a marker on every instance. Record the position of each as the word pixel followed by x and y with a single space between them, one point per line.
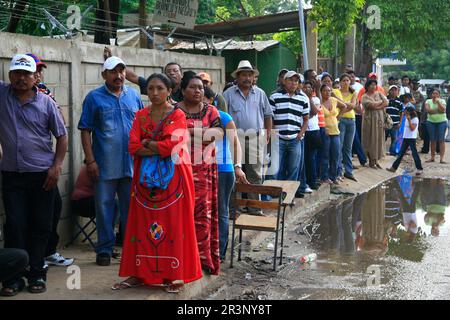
pixel 394 219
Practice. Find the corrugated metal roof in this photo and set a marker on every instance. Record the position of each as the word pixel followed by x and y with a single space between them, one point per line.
pixel 233 45
pixel 270 23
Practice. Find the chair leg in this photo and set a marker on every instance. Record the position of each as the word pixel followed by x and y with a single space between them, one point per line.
pixel 232 246
pixel 89 235
pixel 240 244
pixel 282 236
pixel 81 230
pixel 276 250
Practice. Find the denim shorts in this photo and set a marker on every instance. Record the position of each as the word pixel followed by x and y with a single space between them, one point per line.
pixel 437 131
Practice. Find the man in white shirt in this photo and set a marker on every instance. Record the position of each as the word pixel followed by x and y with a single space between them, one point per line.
pixel 404 89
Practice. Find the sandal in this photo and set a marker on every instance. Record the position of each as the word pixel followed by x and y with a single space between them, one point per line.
pixel 37 286
pixel 126 285
pixel 174 288
pixel 12 290
pixel 430 160
pixel 443 162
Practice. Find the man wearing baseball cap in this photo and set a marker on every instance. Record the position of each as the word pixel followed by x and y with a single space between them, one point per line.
pixel 52 257
pixel 219 101
pixel 105 124
pixel 293 105
pixel 30 168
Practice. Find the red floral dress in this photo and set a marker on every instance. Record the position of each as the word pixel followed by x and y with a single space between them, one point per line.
pixel 204 166
pixel 160 244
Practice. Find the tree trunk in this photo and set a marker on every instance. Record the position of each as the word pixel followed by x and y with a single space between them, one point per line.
pixel 16 14
pixel 101 33
pixel 364 61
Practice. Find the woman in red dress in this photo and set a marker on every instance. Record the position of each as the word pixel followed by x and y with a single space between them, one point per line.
pixel 160 246
pixel 206 121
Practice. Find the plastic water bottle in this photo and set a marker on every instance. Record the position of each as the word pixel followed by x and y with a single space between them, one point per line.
pixel 308 258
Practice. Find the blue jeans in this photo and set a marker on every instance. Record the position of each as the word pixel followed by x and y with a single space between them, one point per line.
pixel 313 145
pixel 357 146
pixel 302 171
pixel 411 143
pixel 347 127
pixel 290 159
pixel 226 184
pixel 392 133
pixel 105 205
pixel 437 131
pixel 329 165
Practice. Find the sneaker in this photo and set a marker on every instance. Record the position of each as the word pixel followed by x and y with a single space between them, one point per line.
pixel 103 259
pixel 308 190
pixel 391 169
pixel 419 172
pixel 58 260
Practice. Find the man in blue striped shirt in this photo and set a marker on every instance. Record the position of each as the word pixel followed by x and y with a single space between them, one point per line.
pixel 291 115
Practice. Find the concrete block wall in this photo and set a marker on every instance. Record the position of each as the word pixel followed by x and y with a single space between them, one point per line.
pixel 74 69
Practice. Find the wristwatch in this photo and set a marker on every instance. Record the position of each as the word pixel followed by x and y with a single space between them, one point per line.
pixel 238 165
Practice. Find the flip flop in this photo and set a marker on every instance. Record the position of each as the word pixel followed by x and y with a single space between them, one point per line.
pixel 174 288
pixel 125 285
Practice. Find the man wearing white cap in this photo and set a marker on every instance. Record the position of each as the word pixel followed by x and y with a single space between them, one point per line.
pixel 250 109
pixel 105 123
pixel 30 168
pixel 291 115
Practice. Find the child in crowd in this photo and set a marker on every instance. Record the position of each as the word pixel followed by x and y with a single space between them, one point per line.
pixel 409 140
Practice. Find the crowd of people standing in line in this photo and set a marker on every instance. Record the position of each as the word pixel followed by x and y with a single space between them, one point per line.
pixel 175 223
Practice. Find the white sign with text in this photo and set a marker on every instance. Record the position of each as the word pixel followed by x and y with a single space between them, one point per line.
pixel 177 13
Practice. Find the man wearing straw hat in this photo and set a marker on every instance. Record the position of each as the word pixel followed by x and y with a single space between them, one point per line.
pixel 250 109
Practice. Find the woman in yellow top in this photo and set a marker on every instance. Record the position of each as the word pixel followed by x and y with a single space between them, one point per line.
pixel 332 109
pixel 347 127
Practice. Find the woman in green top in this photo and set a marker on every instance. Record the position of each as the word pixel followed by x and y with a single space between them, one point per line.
pixel 437 123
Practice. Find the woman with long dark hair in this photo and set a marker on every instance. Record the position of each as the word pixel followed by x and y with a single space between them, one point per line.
pixel 347 127
pixel 373 135
pixel 437 123
pixel 332 108
pixel 203 123
pixel 160 246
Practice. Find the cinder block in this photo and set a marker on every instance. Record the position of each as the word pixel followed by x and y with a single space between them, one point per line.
pixel 65 72
pixel 92 74
pixel 65 230
pixel 66 115
pixel 63 185
pixel 62 95
pixel 65 213
pixel 5 63
pixel 66 164
pixel 51 74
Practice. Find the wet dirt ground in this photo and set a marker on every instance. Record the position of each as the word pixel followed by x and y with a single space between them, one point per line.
pixel 389 243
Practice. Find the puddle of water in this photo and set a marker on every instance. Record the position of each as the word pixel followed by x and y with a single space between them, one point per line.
pixel 394 219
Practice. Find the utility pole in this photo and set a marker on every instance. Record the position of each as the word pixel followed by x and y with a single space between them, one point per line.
pixel 301 17
pixel 143 23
